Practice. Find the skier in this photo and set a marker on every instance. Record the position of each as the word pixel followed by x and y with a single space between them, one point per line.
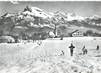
pixel 61 37
pixel 84 50
pixel 62 52
pixel 97 48
pixel 71 49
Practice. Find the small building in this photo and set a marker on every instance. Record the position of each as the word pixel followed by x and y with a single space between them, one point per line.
pixel 6 39
pixel 77 33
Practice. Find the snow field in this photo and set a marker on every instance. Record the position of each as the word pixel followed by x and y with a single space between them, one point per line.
pixel 48 58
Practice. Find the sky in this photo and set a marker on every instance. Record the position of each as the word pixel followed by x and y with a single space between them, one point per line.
pixel 86 8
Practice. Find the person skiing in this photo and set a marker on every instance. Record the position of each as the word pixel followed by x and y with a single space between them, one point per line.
pixel 71 49
pixel 97 48
pixel 84 50
pixel 61 37
pixel 62 52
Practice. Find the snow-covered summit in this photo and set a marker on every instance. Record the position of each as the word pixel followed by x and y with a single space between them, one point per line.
pixel 68 16
pixel 73 16
pixel 35 11
pixel 94 17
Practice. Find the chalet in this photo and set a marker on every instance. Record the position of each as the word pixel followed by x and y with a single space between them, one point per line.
pixel 77 33
pixel 6 39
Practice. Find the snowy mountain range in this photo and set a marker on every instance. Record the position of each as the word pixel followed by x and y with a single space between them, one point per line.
pixel 34 17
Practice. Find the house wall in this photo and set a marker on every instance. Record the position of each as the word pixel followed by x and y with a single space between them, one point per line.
pixel 77 34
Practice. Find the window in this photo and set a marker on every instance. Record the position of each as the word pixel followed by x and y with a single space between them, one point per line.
pixel 38 10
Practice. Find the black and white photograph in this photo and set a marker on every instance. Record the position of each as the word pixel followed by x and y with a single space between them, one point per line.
pixel 50 36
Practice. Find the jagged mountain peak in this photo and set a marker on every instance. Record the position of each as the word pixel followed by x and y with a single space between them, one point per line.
pixel 60 15
pixel 94 17
pixel 35 11
pixel 60 12
pixel 32 9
